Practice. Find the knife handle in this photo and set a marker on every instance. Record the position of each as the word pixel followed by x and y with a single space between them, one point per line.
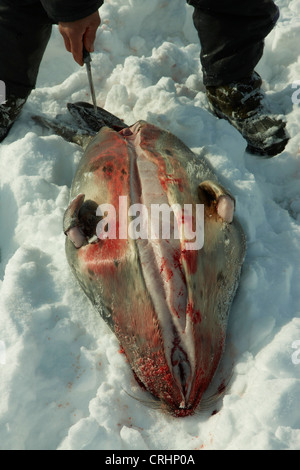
pixel 86 55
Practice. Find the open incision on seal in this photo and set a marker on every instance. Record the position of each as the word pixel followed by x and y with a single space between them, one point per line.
pixel 161 265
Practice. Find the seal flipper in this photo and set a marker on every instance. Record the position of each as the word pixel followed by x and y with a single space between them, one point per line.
pixel 80 221
pixel 217 200
pixel 88 122
pixel 85 116
pixel 80 137
pixel 71 223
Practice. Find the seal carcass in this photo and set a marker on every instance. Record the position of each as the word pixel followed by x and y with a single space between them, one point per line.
pixel 166 301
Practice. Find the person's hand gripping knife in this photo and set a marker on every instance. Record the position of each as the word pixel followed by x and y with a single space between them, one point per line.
pixel 79 37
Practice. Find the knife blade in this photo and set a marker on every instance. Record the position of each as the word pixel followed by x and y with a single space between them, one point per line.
pixel 87 60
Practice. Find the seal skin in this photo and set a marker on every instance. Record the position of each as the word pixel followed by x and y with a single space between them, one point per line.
pixel 167 305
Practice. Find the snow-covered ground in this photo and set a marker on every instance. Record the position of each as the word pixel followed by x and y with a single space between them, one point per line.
pixel 63 382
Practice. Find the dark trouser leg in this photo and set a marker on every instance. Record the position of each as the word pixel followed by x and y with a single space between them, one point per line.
pixel 24 33
pixel 232 34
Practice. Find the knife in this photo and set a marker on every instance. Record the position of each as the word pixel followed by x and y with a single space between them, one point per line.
pixel 87 60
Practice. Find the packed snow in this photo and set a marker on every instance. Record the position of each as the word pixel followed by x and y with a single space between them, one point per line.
pixel 63 382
